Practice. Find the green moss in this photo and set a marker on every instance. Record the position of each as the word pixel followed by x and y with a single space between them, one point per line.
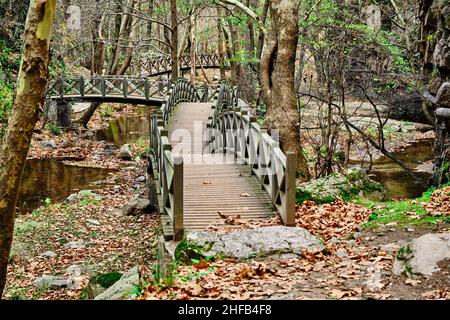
pixel 107 280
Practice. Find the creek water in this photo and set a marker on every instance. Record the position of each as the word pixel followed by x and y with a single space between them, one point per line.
pixel 126 128
pixel 51 178
pixel 398 184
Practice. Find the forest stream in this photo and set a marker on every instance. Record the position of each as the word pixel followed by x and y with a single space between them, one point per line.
pixel 53 179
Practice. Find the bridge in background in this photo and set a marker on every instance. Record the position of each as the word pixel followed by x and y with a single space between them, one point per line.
pixel 119 89
pixel 159 65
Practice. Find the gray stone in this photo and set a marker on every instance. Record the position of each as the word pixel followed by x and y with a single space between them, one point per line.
pixel 140 179
pixel 88 134
pixel 74 270
pixel 72 198
pixel 50 144
pixel 265 241
pixel 125 152
pixel 121 290
pixel 137 206
pixel 48 254
pixel 93 221
pixel 47 281
pixel 334 240
pixel 341 253
pixel 420 257
pixel 355 182
pixel 74 244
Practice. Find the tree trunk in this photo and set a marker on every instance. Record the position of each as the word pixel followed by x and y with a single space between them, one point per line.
pixel 192 26
pixel 29 99
pixel 220 43
pixel 174 38
pixel 277 80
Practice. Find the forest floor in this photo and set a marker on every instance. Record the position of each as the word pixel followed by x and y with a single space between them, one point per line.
pixel 361 241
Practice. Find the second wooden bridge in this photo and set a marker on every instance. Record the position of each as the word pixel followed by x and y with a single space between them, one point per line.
pixel 211 159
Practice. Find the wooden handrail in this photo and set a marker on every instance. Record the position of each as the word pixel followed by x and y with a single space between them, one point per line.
pixel 169 169
pixel 232 129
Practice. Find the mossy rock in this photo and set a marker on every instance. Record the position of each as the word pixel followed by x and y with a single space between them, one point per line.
pixel 100 283
pixel 354 182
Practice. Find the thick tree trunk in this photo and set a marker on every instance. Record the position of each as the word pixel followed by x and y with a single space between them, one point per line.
pixel 277 80
pixel 29 100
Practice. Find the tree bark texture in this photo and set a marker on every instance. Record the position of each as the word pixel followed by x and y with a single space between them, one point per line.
pixel 29 99
pixel 277 80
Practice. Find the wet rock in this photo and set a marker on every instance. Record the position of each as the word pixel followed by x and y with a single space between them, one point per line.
pixel 354 182
pixel 49 144
pixel 137 206
pixel 125 152
pixel 95 222
pixel 420 256
pixel 265 241
pixel 48 254
pixel 121 289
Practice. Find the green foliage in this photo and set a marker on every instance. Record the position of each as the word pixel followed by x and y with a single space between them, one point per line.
pixel 106 112
pixel 186 251
pixel 54 129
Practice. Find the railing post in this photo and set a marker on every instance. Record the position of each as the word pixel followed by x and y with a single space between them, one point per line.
pixel 103 86
pixel 288 208
pixel 125 87
pixel 61 87
pixel 82 87
pixel 147 89
pixel 178 199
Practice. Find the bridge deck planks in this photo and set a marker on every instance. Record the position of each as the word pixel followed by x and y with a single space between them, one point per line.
pixel 212 187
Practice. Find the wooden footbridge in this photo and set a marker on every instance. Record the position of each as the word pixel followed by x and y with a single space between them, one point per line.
pixel 211 159
pixel 126 89
pixel 158 65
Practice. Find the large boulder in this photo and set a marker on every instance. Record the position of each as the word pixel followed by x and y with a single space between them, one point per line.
pixel 420 257
pixel 260 242
pixel 443 95
pixel 354 183
pixel 122 289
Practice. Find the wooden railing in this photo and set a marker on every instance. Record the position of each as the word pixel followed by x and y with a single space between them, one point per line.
pixel 104 87
pixel 158 65
pixel 167 169
pixel 231 129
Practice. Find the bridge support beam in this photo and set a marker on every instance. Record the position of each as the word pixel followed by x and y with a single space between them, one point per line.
pixel 63 114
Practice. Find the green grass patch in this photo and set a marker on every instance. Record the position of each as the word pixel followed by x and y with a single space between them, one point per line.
pixel 404 212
